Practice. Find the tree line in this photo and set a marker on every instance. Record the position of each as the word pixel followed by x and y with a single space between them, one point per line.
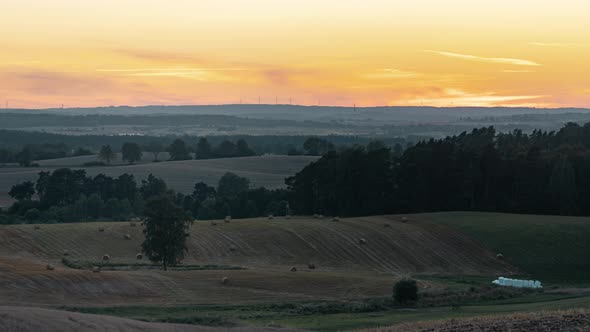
pixel 539 173
pixel 67 195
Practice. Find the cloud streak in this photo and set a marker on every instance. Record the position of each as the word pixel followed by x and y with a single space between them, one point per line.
pixel 509 61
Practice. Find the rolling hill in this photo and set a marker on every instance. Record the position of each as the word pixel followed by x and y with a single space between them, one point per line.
pixel 266 248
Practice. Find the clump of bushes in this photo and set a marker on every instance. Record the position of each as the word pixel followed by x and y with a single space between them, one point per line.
pixel 405 291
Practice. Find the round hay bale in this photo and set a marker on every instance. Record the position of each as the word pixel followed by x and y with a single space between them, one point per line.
pixel 362 241
pixel 139 256
pixel 37 227
pixel 66 253
pixel 293 269
pixel 233 248
pixel 213 223
pixel 404 219
pixel 50 267
pixel 336 219
pixel 499 256
pixel 101 229
pixel 311 266
pixel 95 269
pixel 127 237
pixel 225 280
pixel 106 257
pixel 227 219
pixel 270 217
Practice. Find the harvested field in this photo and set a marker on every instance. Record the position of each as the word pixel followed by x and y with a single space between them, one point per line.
pixel 25 319
pixel 563 321
pixel 260 243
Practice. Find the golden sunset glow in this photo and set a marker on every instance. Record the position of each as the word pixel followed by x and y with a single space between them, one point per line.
pixel 370 52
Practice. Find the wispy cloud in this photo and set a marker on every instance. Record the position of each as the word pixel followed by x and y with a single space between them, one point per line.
pixel 458 97
pixel 391 73
pixel 510 61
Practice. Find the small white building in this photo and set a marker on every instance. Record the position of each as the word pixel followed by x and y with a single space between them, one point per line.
pixel 519 283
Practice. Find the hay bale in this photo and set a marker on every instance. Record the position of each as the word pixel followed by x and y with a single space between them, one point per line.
pixel 139 256
pixel 362 241
pixel 106 257
pixel 293 269
pixel 227 219
pixel 132 224
pixel 336 219
pixel 499 256
pixel 225 280
pixel 101 229
pixel 213 223
pixel 386 225
pixel 404 219
pixel 311 266
pixel 270 217
pixel 95 269
pixel 127 237
pixel 66 253
pixel 320 216
pixel 37 227
pixel 50 267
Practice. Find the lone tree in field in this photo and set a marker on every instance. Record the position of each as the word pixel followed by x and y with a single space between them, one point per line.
pixel 179 151
pixel 131 152
pixel 405 291
pixel 106 154
pixel 165 231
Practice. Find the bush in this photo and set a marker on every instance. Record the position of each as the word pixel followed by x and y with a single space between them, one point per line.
pixel 405 291
pixel 32 215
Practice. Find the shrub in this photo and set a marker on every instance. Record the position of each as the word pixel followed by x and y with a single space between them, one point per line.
pixel 32 215
pixel 405 291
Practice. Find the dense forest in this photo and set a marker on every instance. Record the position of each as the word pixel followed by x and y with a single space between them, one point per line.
pixel 541 173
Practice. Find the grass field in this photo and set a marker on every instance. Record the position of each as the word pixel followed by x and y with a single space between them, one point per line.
pixel 550 248
pixel 449 253
pixel 267 171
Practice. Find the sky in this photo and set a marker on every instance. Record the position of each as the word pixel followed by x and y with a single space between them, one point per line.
pixel 309 52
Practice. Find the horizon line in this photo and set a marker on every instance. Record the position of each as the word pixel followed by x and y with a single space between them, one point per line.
pixel 288 105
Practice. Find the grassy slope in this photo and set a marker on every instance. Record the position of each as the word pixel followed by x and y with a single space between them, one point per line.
pixel 550 248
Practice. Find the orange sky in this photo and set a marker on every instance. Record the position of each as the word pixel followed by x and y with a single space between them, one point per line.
pixel 369 52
